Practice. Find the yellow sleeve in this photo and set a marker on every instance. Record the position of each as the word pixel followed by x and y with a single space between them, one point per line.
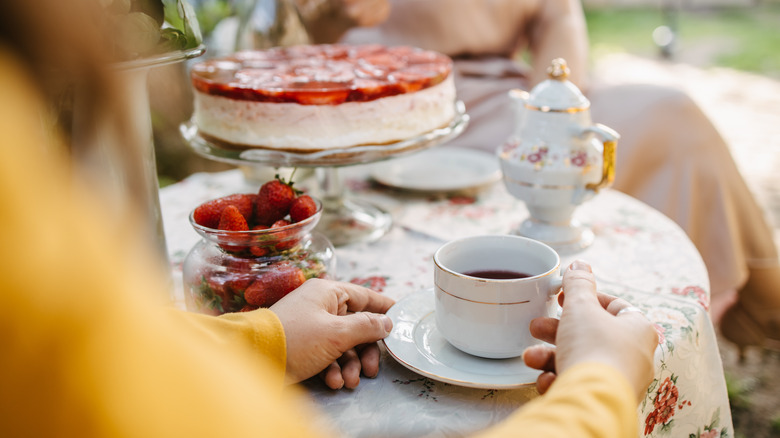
pixel 589 400
pixel 260 330
pixel 88 347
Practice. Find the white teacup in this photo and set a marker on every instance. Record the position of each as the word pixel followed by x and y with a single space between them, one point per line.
pixel 490 317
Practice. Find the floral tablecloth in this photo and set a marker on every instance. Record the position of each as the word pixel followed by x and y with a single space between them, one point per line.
pixel 638 254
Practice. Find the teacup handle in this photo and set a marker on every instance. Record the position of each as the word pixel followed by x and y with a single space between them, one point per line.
pixel 609 140
pixel 555 285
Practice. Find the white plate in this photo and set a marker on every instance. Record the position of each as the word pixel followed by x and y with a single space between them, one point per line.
pixel 439 169
pixel 416 344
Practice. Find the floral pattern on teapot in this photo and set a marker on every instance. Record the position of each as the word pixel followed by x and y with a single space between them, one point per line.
pixel 541 156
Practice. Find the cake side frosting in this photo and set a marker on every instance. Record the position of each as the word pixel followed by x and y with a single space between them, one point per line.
pixel 297 127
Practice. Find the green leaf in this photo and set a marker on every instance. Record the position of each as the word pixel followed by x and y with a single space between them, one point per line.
pixel 191 26
pixel 715 419
pixel 172 16
pixel 653 386
pixel 181 16
pixel 172 39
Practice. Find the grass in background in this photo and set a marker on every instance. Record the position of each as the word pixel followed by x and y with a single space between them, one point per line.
pixel 743 38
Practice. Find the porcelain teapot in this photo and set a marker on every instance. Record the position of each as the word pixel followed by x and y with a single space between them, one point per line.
pixel 556 159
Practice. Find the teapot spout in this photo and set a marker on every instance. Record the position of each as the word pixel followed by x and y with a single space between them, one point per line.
pixel 520 99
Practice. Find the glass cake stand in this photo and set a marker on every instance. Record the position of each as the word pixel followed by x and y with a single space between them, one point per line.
pixel 344 220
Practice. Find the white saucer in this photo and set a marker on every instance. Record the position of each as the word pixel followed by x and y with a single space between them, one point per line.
pixel 439 169
pixel 416 344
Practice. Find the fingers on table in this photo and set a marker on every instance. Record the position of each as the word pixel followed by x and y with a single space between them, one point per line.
pixel 347 369
pixel 350 368
pixel 369 359
pixel 332 376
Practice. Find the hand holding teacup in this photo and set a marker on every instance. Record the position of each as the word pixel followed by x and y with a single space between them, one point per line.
pixel 495 297
pixel 594 327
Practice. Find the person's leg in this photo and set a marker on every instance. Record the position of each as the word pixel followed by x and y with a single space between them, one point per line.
pixel 672 157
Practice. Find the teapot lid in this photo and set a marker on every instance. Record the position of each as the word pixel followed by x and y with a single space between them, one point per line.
pixel 557 93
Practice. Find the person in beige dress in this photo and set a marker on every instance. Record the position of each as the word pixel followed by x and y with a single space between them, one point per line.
pixel 670 155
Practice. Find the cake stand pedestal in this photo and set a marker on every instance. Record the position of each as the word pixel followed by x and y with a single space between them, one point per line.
pixel 344 220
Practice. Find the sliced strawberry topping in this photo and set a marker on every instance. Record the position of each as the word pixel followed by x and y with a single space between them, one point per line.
pixel 320 74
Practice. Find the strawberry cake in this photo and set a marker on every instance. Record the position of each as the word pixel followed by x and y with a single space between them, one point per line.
pixel 320 97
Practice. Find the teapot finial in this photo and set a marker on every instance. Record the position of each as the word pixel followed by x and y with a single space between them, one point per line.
pixel 558 70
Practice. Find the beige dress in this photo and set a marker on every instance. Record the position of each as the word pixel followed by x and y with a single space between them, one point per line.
pixel 670 155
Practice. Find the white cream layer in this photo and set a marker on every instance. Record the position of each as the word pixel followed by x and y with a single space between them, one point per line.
pixel 319 127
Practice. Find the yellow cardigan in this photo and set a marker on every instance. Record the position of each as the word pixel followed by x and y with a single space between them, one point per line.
pixel 88 347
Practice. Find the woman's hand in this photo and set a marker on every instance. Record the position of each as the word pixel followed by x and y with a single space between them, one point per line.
pixel 592 329
pixel 327 20
pixel 332 327
pixel 366 12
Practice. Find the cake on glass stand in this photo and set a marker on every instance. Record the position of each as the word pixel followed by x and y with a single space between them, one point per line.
pixel 344 220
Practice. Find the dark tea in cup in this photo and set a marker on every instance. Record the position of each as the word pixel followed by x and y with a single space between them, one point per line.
pixel 496 274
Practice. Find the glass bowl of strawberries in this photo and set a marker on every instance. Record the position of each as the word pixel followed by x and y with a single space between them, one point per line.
pixel 255 249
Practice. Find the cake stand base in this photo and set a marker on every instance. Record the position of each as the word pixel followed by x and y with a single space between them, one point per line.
pixel 353 221
pixel 563 238
pixel 345 220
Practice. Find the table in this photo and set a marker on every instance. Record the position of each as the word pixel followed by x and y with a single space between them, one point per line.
pixel 638 254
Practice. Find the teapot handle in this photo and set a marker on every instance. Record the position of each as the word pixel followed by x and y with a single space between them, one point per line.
pixel 609 140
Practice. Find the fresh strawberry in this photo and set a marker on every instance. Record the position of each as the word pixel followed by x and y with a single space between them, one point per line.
pixel 245 203
pixel 209 213
pixel 281 223
pixel 232 220
pixel 238 282
pixel 238 264
pixel 259 249
pixel 286 239
pixel 302 207
pixel 273 201
pixel 274 284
